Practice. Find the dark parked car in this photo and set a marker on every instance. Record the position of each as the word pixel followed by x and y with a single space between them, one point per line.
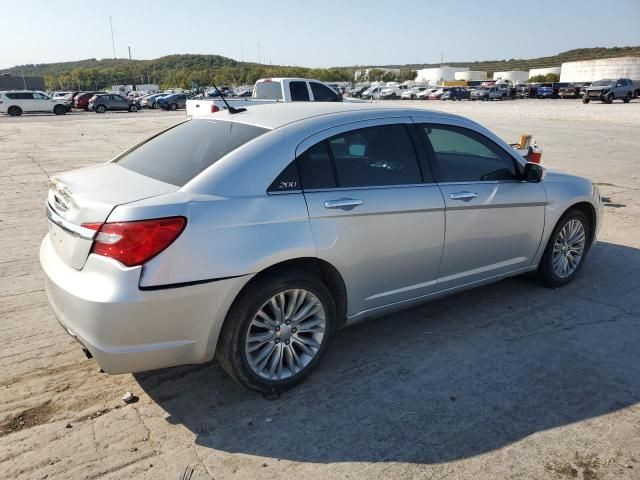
pixel 572 90
pixel 457 93
pixel 356 92
pixel 528 90
pixel 172 102
pixel 110 101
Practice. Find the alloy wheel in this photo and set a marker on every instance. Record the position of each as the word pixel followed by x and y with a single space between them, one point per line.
pixel 569 248
pixel 285 335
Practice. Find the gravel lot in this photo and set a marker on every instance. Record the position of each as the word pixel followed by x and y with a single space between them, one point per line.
pixel 510 380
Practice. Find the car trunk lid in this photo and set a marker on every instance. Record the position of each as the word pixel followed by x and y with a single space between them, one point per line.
pixel 88 196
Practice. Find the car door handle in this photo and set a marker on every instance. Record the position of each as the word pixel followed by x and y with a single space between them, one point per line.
pixel 343 203
pixel 463 195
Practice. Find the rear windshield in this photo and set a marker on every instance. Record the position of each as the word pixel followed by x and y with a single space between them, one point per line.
pixel 179 154
pixel 268 90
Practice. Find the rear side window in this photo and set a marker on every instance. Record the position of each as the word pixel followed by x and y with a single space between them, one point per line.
pixel 321 93
pixel 466 156
pixel 316 171
pixel 20 96
pixel 182 152
pixel 299 91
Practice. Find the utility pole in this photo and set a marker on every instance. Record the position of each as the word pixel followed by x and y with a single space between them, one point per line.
pixel 113 42
pixel 258 51
pixel 129 52
pixel 24 81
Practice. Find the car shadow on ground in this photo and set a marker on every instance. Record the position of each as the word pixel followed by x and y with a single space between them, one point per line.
pixel 444 381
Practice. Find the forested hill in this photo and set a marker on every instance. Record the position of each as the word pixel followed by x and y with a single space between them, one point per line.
pixel 193 69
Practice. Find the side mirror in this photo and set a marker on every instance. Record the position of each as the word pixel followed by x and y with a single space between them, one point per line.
pixel 533 172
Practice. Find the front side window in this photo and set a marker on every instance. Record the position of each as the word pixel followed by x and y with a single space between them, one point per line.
pixel 322 93
pixel 182 152
pixel 39 96
pixel 299 91
pixel 465 156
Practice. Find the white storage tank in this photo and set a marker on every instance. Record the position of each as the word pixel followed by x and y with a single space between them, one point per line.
pixel 592 70
pixel 515 76
pixel 534 72
pixel 470 75
pixel 437 75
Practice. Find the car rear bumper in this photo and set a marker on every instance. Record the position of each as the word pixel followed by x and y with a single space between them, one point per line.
pixel 127 329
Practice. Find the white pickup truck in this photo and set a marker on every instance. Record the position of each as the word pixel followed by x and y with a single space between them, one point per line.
pixel 269 90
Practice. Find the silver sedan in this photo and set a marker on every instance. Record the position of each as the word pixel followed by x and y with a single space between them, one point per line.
pixel 252 237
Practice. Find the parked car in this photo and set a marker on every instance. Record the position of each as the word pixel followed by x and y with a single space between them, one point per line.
pixel 437 95
pixel 17 102
pixel 372 93
pixel 545 90
pixel 457 93
pixel 356 92
pixel 491 93
pixel 609 90
pixel 151 101
pixel 528 90
pixel 291 196
pixel 172 102
pixel 110 101
pixel 393 92
pixel 412 93
pixel 270 90
pixel 570 90
pixel 81 101
pixel 424 95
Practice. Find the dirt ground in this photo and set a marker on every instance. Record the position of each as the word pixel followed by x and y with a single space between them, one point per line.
pixel 511 380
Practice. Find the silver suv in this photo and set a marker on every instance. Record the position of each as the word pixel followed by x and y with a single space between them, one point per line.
pixel 255 236
pixel 609 90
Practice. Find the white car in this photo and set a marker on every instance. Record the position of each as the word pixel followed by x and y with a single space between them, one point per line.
pixel 412 93
pixel 17 102
pixel 392 92
pixel 424 95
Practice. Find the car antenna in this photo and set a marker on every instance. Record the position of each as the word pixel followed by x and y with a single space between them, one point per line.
pixel 229 107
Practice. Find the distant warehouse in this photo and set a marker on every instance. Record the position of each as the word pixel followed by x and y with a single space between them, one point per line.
pixel 591 70
pixel 434 76
pixel 9 82
pixel 514 76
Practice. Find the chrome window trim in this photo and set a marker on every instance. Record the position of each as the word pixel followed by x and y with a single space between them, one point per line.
pixel 380 187
pixel 67 226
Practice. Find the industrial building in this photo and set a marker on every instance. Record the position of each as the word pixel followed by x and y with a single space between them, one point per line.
pixel 534 72
pixel 515 76
pixel 470 75
pixel 592 70
pixel 9 82
pixel 438 75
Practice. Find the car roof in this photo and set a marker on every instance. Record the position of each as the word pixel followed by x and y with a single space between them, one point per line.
pixel 277 115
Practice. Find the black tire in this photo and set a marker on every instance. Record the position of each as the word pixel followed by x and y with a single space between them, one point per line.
pixel 100 109
pixel 546 273
pixel 627 98
pixel 173 107
pixel 59 110
pixel 585 99
pixel 133 108
pixel 608 98
pixel 14 111
pixel 231 344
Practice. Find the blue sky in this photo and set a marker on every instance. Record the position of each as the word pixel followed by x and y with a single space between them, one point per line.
pixel 314 33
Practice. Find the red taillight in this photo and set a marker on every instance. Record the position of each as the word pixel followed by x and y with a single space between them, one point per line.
pixel 214 109
pixel 134 243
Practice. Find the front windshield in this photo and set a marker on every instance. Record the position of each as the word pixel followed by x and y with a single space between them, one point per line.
pixel 602 83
